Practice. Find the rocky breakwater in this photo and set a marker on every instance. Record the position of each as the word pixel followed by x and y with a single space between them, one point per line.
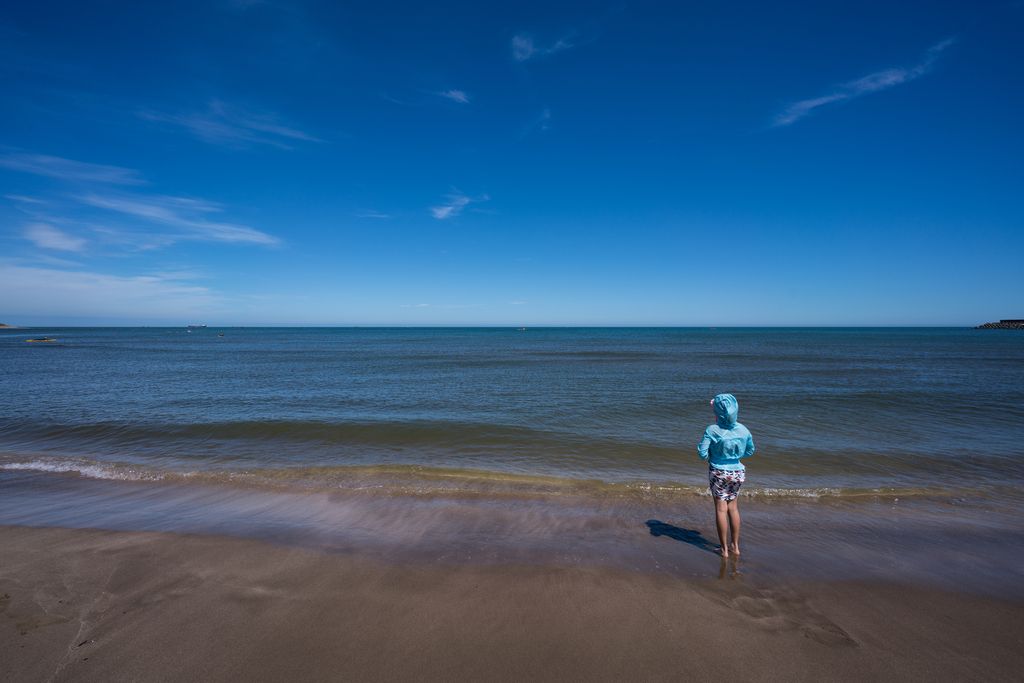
pixel 1003 325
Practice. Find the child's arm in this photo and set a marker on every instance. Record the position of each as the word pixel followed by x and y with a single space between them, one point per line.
pixel 702 447
pixel 749 450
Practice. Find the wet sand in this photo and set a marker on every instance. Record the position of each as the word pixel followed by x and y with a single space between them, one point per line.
pixel 93 605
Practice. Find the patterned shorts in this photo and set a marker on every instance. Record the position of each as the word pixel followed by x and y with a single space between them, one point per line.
pixel 725 484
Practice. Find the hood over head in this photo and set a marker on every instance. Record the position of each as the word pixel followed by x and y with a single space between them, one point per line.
pixel 726 410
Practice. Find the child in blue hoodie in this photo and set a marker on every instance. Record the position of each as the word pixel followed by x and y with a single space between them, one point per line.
pixel 724 443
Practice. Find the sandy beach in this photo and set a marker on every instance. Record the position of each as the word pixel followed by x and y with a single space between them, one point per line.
pixel 93 605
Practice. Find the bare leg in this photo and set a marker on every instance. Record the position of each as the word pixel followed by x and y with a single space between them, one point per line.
pixel 734 526
pixel 722 522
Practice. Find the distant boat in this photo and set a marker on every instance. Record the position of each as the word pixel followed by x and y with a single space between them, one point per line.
pixel 220 335
pixel 197 325
pixel 43 339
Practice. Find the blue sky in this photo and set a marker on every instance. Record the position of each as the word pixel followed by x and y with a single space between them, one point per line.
pixel 522 163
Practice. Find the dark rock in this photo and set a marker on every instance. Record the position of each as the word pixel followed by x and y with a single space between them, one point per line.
pixel 1003 325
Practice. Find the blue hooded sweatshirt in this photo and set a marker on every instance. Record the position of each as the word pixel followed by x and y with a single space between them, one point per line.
pixel 726 441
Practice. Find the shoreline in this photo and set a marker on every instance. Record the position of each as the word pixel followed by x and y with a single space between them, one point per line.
pixel 941 544
pixel 93 605
pixel 417 480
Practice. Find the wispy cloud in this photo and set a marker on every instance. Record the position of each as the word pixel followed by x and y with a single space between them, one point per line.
pixel 456 95
pixel 539 123
pixel 188 218
pixel 441 306
pixel 66 169
pixel 418 98
pixel 46 236
pixel 517 303
pixel 389 98
pixel 181 213
pixel 49 291
pixel 874 82
pixel 454 206
pixel 524 47
pixel 48 260
pixel 229 125
pixel 371 214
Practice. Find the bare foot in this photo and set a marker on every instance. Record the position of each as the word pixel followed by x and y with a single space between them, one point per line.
pixel 734 549
pixel 723 552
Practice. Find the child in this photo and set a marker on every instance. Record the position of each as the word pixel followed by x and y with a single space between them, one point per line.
pixel 725 443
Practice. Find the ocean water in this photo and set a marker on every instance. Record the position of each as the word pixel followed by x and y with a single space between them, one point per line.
pixel 475 430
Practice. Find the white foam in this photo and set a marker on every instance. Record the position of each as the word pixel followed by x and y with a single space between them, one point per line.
pixel 91 471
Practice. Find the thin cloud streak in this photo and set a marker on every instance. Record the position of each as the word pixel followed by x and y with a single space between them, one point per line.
pixel 387 97
pixel 48 260
pixel 454 206
pixel 182 213
pixel 66 169
pixel 228 125
pixel 880 80
pixel 524 48
pixel 30 290
pixel 169 211
pixel 45 236
pixel 443 306
pixel 456 95
pixel 540 123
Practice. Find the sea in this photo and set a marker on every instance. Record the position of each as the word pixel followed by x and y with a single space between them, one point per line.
pixel 881 453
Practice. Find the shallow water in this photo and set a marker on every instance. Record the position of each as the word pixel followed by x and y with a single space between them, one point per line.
pixel 588 426
pixel 942 544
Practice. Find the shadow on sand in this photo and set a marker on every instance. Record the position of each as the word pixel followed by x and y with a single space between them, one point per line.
pixel 685 535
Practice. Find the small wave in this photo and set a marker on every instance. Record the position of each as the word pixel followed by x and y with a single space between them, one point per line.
pixel 835 492
pixel 392 434
pixel 419 481
pixel 90 470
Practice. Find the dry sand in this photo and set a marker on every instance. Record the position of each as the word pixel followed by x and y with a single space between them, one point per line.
pixel 90 605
